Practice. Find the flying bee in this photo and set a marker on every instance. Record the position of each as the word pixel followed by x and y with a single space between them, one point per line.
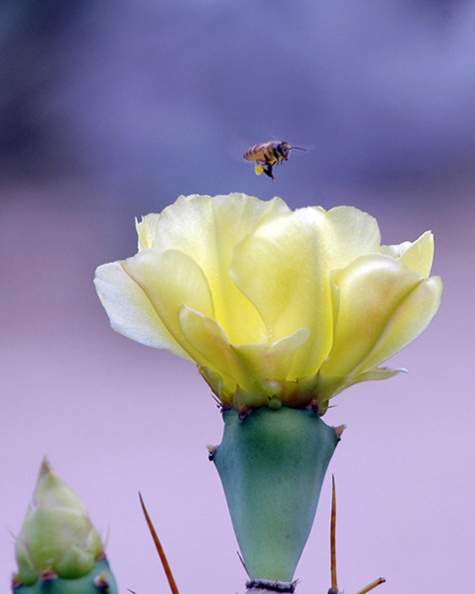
pixel 267 154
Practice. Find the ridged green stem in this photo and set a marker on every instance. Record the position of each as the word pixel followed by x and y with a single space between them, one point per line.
pixel 272 465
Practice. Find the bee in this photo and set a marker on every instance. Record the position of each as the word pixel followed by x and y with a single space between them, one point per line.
pixel 268 154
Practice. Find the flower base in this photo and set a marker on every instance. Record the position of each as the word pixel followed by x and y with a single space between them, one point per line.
pixel 272 466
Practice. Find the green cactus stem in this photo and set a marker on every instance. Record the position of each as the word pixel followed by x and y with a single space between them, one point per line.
pixel 98 581
pixel 272 464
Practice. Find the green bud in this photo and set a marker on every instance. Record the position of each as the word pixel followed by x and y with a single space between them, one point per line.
pixel 58 543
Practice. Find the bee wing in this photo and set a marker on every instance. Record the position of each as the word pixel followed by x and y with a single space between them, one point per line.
pixel 297 146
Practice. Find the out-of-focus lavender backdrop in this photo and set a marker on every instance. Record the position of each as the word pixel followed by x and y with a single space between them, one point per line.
pixel 111 110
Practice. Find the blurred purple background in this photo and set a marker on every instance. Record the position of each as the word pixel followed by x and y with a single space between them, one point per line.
pixel 111 110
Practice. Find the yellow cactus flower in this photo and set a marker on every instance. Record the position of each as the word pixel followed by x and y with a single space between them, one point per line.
pixel 274 306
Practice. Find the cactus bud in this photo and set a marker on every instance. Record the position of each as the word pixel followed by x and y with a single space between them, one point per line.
pixel 58 544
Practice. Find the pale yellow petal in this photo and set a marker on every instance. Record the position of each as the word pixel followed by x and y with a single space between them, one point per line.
pixel 355 233
pixel 171 280
pixel 407 321
pixel 328 390
pixel 418 256
pixel 208 338
pixel 366 294
pixel 130 311
pixel 250 368
pixel 146 230
pixel 377 374
pixel 272 362
pixel 394 251
pixel 207 230
pixel 283 269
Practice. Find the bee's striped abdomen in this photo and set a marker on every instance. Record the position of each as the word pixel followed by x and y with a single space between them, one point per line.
pixel 257 152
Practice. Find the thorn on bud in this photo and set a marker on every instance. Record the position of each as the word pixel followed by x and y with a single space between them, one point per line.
pixel 101 582
pixel 211 452
pixel 45 467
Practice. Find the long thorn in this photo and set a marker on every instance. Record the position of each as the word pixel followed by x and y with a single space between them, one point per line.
pixel 160 551
pixel 371 586
pixel 334 582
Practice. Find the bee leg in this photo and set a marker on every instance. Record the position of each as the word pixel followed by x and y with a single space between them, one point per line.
pixel 268 170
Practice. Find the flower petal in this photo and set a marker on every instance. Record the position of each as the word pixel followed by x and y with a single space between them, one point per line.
pixel 129 309
pixel 375 374
pixel 146 230
pixel 417 255
pixel 366 295
pixel 355 233
pixel 208 338
pixel 283 269
pixel 250 368
pixel 207 230
pixel 272 362
pixel 407 321
pixel 171 280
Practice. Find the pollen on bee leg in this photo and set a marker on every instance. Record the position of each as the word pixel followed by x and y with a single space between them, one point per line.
pixel 258 169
